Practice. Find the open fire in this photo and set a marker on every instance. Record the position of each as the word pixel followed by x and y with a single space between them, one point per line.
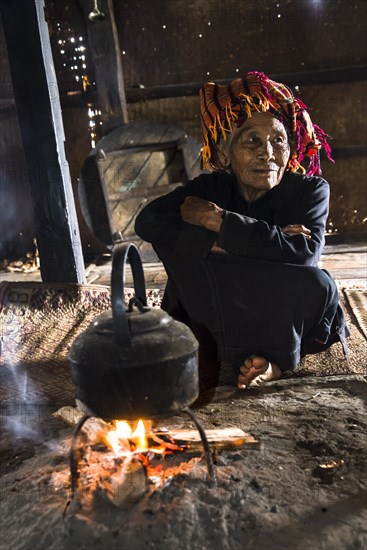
pixel 122 437
pixel 125 440
pixel 124 460
pixel 120 463
pixel 116 459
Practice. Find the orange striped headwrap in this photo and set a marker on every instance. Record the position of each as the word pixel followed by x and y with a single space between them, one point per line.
pixel 224 107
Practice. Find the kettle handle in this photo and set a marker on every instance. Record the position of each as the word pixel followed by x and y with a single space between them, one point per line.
pixel 120 255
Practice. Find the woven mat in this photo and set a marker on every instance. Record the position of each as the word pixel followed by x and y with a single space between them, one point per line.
pixel 39 322
pixel 357 300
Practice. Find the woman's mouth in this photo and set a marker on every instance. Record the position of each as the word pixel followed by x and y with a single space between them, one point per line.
pixel 265 171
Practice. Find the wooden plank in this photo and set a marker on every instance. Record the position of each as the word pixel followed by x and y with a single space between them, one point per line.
pixel 148 193
pixel 138 134
pixel 119 139
pixel 148 254
pixel 138 171
pixel 220 439
pixel 103 173
pixel 129 204
pixel 151 147
pixel 40 121
pixel 303 78
pixel 187 89
pixel 348 265
pixel 106 59
pixel 134 170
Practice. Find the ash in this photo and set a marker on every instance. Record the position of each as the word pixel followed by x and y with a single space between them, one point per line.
pixel 276 496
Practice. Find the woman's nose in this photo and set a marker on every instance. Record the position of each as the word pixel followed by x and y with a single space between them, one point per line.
pixel 265 150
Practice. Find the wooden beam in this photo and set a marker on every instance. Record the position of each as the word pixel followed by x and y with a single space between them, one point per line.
pixel 306 78
pixel 105 53
pixel 40 121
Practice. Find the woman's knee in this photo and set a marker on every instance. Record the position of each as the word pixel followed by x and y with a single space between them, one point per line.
pixel 320 289
pixel 319 279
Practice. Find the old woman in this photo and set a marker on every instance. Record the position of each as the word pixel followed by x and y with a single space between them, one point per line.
pixel 241 244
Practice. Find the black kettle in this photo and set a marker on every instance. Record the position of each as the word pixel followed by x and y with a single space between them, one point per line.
pixel 134 363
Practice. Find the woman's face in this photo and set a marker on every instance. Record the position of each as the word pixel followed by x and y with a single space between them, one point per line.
pixel 258 153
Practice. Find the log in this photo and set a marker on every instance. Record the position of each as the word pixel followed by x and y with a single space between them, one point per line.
pixel 220 439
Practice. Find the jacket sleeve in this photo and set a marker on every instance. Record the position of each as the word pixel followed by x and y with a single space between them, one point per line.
pixel 257 239
pixel 160 222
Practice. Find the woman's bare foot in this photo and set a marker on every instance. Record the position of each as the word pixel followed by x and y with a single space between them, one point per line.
pixel 257 370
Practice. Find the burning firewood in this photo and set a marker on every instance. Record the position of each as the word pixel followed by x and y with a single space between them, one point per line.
pixel 121 468
pixel 173 440
pixel 221 439
pixel 94 428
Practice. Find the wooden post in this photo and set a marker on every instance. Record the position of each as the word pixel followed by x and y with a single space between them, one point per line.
pixel 106 58
pixel 39 114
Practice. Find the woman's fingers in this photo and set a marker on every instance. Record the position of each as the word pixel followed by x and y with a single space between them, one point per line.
pixel 201 212
pixel 297 229
pixel 217 249
pixel 192 210
pixel 198 204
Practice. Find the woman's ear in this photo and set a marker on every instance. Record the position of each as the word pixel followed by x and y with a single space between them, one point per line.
pixel 223 154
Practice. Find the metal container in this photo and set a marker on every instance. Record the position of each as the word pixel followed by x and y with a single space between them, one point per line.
pixel 134 363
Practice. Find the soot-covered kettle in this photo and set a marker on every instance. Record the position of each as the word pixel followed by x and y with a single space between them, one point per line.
pixel 136 362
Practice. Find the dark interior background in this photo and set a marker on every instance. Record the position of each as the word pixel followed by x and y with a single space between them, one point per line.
pixel 167 42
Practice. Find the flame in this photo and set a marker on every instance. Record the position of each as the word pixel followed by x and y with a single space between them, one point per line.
pixel 139 433
pixel 120 438
pixel 125 440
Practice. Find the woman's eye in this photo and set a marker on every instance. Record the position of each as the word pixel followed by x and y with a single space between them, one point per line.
pixel 256 141
pixel 280 142
pixel 250 140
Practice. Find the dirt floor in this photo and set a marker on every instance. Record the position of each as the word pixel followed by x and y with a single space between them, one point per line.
pixel 274 496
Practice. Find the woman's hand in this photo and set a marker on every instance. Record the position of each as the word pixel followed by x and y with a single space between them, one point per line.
pixel 297 229
pixel 217 249
pixel 201 212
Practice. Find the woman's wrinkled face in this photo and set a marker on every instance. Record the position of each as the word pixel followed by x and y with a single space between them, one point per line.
pixel 257 152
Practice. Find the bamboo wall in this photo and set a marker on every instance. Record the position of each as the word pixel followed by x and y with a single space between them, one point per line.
pixel 242 34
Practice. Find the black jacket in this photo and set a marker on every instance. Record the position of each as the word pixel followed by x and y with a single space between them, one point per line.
pixel 253 229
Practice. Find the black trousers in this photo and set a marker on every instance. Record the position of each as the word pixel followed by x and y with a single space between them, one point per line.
pixel 237 307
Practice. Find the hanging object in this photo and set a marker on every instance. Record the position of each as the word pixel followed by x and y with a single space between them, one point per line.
pixel 96 16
